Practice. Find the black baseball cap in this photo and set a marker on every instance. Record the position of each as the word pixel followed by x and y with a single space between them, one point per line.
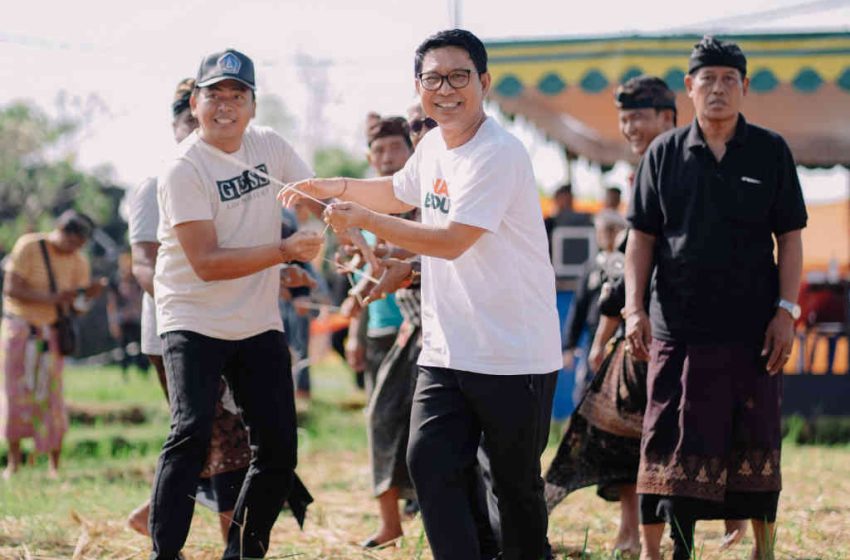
pixel 229 64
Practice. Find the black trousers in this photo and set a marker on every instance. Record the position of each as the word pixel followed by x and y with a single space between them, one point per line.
pixel 682 513
pixel 451 411
pixel 258 370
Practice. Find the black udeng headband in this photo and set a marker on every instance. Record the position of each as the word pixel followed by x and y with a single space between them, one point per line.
pixel 712 52
pixel 643 100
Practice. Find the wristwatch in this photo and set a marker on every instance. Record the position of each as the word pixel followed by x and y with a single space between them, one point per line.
pixel 415 274
pixel 792 308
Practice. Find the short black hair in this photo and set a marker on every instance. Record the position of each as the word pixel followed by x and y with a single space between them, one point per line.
pixel 389 126
pixel 460 38
pixel 75 223
pixel 563 189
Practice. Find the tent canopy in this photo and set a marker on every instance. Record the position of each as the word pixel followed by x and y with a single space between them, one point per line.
pixel 799 87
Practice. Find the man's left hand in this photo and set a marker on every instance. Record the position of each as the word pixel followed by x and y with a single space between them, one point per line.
pixel 393 276
pixel 778 341
pixel 344 215
pixel 292 276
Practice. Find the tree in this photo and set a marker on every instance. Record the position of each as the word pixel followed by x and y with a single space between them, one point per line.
pixel 35 184
pixel 336 162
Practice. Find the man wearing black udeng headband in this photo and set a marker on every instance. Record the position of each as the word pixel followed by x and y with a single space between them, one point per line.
pixel 710 200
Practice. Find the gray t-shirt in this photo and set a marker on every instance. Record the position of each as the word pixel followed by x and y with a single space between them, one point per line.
pixel 203 183
pixel 143 214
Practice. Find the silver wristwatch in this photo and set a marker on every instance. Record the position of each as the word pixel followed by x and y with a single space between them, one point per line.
pixel 792 308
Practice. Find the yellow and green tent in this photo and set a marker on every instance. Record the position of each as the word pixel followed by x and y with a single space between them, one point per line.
pixel 799 87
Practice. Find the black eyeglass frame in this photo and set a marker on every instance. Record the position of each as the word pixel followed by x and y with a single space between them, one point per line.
pixel 446 78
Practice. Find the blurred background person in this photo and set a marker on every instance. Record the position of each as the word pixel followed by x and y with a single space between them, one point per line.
pixel 124 304
pixel 47 278
pixel 419 123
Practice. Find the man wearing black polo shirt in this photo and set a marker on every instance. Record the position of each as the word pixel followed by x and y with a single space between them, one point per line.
pixel 710 198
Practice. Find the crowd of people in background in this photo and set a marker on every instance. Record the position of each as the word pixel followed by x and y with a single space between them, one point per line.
pixel 472 321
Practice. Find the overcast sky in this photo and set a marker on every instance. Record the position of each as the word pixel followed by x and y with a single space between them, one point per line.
pixel 131 55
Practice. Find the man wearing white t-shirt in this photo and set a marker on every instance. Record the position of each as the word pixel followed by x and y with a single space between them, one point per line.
pixel 216 285
pixel 490 325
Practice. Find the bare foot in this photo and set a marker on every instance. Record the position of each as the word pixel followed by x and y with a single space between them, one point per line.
pixel 628 541
pixel 53 473
pixel 138 519
pixel 735 531
pixel 8 472
pixel 628 547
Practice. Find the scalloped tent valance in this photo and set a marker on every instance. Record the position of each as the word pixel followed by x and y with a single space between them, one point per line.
pixel 799 86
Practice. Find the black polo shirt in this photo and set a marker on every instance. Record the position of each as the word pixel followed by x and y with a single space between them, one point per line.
pixel 716 280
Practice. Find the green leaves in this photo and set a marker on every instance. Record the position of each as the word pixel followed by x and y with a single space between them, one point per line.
pixel 38 177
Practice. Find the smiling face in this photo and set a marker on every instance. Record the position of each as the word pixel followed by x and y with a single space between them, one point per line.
pixel 456 110
pixel 388 154
pixel 640 126
pixel 223 111
pixel 717 92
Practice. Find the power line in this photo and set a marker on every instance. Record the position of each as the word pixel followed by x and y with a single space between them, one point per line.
pixel 762 16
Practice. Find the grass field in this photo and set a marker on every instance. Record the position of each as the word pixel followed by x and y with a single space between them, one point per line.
pixel 108 467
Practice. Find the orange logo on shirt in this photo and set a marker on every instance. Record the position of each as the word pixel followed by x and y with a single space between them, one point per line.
pixel 441 187
pixel 439 200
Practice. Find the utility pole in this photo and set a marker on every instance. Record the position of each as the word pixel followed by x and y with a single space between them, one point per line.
pixel 455 8
pixel 313 72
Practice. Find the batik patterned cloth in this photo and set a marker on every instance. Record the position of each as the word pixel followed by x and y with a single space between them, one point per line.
pixel 712 422
pixel 602 442
pixel 31 401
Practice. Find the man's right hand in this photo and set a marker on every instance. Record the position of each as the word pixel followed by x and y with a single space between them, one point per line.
pixel 638 334
pixel 301 246
pixel 321 189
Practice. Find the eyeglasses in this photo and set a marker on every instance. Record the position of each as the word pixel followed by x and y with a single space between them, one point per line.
pixel 418 125
pixel 432 81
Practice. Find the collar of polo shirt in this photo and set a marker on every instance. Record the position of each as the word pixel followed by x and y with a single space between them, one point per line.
pixel 695 138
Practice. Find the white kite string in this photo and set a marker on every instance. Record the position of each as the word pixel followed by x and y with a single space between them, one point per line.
pixel 229 158
pixel 351 270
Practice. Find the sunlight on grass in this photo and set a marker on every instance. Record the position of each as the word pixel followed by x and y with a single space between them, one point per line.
pixel 108 467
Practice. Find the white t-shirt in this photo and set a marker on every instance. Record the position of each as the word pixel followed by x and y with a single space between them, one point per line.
pixel 491 310
pixel 202 185
pixel 143 211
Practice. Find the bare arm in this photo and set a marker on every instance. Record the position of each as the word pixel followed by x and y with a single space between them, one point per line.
pixel 144 263
pixel 606 329
pixel 376 194
pixel 790 261
pixel 639 253
pixel 17 287
pixel 443 242
pixel 779 337
pixel 212 262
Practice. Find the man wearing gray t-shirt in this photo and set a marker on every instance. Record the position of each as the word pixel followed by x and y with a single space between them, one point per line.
pixel 216 284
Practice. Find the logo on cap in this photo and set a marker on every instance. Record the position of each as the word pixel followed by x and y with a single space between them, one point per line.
pixel 229 63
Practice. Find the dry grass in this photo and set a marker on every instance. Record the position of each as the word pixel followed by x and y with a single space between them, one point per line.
pixel 81 516
pixel 815 518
